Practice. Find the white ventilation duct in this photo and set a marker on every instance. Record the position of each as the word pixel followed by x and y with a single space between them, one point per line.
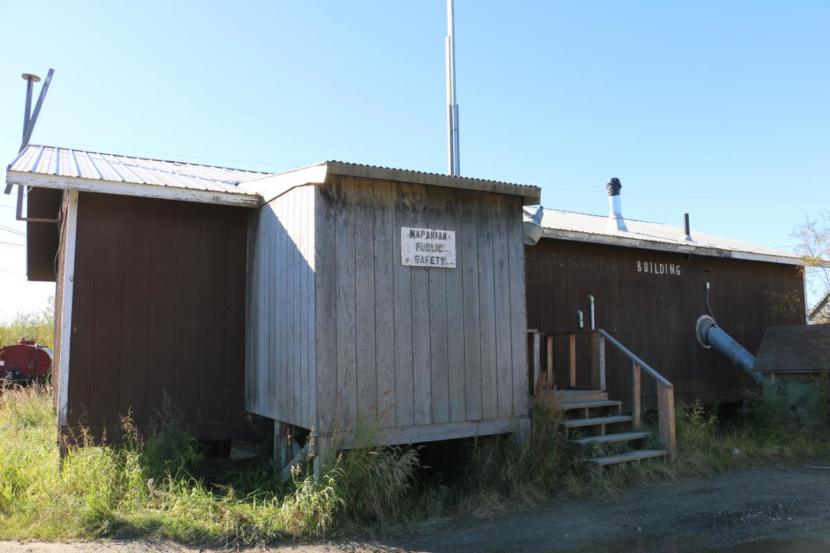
pixel 615 216
pixel 532 224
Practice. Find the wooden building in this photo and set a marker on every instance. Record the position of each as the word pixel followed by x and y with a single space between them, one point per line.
pixel 795 364
pixel 339 296
pixel 149 259
pixel 649 284
pixel 388 299
pixel 322 298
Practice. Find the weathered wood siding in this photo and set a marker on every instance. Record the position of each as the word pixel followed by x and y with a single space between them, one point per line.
pixel 654 314
pixel 280 368
pixel 401 346
pixel 158 315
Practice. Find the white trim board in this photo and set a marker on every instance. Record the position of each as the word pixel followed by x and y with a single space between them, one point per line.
pixel 67 294
pixel 38 180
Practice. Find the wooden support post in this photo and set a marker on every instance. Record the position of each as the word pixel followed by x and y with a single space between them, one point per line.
pixel 550 361
pixel 282 447
pixel 665 412
pixel 523 431
pixel 636 397
pixel 323 453
pixel 601 357
pixel 537 354
pixel 572 360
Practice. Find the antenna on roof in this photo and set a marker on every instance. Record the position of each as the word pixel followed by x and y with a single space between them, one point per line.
pixel 30 118
pixel 454 151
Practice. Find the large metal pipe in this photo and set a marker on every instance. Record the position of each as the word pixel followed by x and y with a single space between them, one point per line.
pixel 710 335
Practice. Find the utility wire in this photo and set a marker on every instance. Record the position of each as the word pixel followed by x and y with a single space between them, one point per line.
pixel 12 230
pixel 15 244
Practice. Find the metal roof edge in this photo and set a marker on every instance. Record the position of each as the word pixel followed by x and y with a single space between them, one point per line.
pixel 274 185
pixel 145 158
pixel 655 245
pixel 233 197
pixel 531 194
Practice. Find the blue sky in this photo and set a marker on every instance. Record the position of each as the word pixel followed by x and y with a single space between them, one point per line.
pixel 721 109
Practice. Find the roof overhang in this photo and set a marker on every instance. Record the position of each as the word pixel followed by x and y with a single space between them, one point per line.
pixel 167 192
pixel 273 186
pixel 689 249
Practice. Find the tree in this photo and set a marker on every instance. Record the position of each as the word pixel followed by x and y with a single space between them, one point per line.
pixel 814 246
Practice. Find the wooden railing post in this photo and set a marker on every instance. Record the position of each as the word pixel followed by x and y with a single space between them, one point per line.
pixel 665 413
pixel 636 411
pixel 601 356
pixel 550 361
pixel 572 359
pixel 536 360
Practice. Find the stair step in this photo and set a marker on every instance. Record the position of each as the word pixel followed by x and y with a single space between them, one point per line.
pixel 637 455
pixel 612 438
pixel 575 394
pixel 596 421
pixel 570 405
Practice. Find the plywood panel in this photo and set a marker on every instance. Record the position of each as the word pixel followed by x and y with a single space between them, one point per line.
pixel 282 333
pixel 432 332
pixel 365 301
pixel 501 293
pixel 384 280
pixel 404 216
pixel 455 313
pixel 487 307
pixel 438 324
pixel 472 315
pixel 421 359
pixel 344 240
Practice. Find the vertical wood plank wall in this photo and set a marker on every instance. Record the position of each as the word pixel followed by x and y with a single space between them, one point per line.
pixel 280 339
pixel 400 346
pixel 158 315
pixel 654 315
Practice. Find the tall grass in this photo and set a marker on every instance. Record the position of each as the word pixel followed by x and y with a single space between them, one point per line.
pixel 161 486
pixel 156 486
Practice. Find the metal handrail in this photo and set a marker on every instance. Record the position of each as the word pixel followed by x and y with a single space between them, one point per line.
pixel 635 358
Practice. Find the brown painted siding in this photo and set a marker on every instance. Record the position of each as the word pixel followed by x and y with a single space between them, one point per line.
pixel 654 315
pixel 158 314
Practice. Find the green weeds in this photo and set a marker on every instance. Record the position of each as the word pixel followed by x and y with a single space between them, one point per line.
pixel 160 485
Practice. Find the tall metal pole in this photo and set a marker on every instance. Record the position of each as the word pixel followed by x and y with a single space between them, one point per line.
pixel 27 114
pixel 453 148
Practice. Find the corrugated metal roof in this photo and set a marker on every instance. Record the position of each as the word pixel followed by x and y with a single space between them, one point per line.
pixel 68 162
pixel 529 192
pixel 658 236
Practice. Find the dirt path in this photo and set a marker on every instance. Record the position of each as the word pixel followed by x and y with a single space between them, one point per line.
pixel 780 503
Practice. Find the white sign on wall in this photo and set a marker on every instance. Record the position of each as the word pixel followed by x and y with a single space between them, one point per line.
pixel 424 247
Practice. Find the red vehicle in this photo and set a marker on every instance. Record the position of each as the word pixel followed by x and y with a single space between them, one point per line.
pixel 24 362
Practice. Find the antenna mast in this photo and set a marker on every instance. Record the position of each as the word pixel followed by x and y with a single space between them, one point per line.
pixel 454 161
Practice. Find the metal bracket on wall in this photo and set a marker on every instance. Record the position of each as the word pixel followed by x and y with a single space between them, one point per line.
pixel 19 211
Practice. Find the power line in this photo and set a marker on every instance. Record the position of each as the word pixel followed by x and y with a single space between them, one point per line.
pixel 12 230
pixel 15 244
pixel 12 272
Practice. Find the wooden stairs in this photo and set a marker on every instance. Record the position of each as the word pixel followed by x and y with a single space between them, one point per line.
pixel 597 425
pixel 592 421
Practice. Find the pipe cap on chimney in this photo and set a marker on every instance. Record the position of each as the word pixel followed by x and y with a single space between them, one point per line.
pixel 614 186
